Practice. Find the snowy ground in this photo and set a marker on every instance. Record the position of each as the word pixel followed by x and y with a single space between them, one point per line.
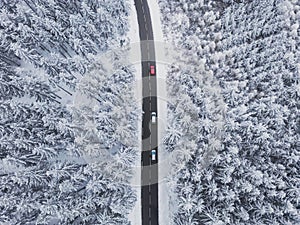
pixel 133 34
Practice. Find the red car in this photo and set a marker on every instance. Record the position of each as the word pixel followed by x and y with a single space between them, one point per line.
pixel 152 70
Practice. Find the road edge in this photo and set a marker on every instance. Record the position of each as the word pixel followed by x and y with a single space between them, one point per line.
pixel 161 68
pixel 135 216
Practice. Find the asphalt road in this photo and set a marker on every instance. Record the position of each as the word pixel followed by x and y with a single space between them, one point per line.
pixel 149 192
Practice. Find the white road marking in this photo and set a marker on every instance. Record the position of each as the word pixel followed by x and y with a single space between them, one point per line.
pixel 143 9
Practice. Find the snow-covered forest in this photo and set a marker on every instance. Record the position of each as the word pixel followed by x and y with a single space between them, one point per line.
pixel 233 115
pixel 68 121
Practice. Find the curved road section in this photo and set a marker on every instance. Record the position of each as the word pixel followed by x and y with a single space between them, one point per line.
pixel 149 192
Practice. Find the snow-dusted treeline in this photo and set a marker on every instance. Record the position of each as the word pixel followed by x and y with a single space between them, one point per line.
pixel 234 111
pixel 67 118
